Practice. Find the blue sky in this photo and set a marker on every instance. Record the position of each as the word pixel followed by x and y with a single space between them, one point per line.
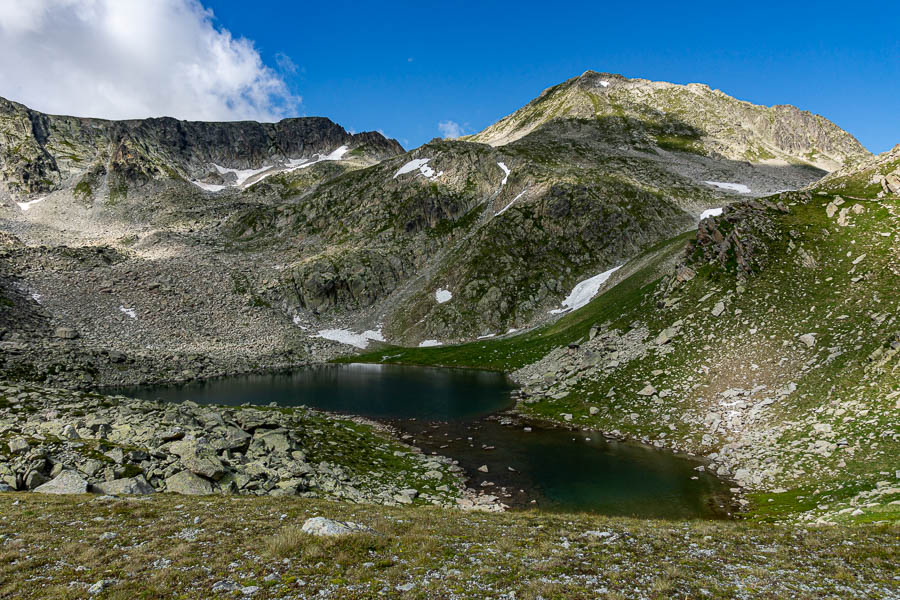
pixel 403 67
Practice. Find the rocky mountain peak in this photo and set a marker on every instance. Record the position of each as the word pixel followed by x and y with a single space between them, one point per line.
pixel 654 115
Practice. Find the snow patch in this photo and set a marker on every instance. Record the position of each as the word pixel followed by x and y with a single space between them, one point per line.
pixel 209 187
pixel 418 164
pixel 128 311
pixel 710 212
pixel 443 296
pixel 506 172
pixel 27 205
pixel 503 210
pixel 36 297
pixel 301 163
pixel 345 336
pixel 584 291
pixel 375 335
pixel 604 83
pixel 242 174
pixel 740 188
pixel 511 330
pixel 430 344
pixel 484 337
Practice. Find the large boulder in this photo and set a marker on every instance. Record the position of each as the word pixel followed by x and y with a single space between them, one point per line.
pixel 120 487
pixel 67 482
pixel 188 484
pixel 198 459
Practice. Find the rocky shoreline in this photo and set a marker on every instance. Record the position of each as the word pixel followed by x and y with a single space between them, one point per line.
pixel 60 441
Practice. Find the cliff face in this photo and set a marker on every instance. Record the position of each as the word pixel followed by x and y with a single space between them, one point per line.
pixel 40 153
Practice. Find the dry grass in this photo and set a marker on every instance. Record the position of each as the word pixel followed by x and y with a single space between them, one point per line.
pixel 177 547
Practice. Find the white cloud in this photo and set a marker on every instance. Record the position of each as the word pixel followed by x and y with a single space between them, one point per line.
pixel 130 59
pixel 450 129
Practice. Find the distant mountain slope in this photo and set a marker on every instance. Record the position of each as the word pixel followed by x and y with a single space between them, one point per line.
pixel 41 153
pixel 197 249
pixel 684 117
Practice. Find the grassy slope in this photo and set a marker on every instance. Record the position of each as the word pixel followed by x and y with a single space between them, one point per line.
pixel 180 547
pixel 513 352
pixel 850 307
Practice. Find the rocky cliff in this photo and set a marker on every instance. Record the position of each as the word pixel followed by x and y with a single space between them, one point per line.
pixel 41 153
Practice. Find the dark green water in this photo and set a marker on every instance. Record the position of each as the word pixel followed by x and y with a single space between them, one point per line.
pixel 445 409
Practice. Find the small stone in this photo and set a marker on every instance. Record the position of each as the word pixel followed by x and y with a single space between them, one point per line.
pixel 647 390
pixel 593 410
pixel 809 339
pixel 718 309
pixel 483 468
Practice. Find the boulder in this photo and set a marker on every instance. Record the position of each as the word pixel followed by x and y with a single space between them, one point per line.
pixel 198 459
pixel 718 309
pixel 19 445
pixel 188 484
pixel 67 482
pixel 322 527
pixel 65 333
pixel 120 487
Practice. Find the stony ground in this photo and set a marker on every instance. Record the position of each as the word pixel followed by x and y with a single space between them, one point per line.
pixel 168 546
pixel 58 441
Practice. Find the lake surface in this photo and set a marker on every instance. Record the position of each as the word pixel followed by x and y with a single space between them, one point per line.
pixel 447 412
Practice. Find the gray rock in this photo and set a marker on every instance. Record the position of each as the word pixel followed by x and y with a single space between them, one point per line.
pixel 320 526
pixel 718 309
pixel 65 333
pixel 35 479
pixel 809 339
pixel 67 482
pixel 120 487
pixel 188 484
pixel 19 445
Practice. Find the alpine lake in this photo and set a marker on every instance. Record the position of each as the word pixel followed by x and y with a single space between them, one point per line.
pixel 459 413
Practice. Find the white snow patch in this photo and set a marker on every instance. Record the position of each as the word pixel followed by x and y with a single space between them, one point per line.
pixel 503 210
pixel 710 212
pixel 443 296
pixel 506 172
pixel 372 334
pixel 345 336
pixel 36 297
pixel 299 322
pixel 511 330
pixel 26 205
pixel 740 188
pixel 584 291
pixel 484 337
pixel 604 83
pixel 128 311
pixel 301 163
pixel 209 187
pixel 418 164
pixel 241 174
pixel 430 344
